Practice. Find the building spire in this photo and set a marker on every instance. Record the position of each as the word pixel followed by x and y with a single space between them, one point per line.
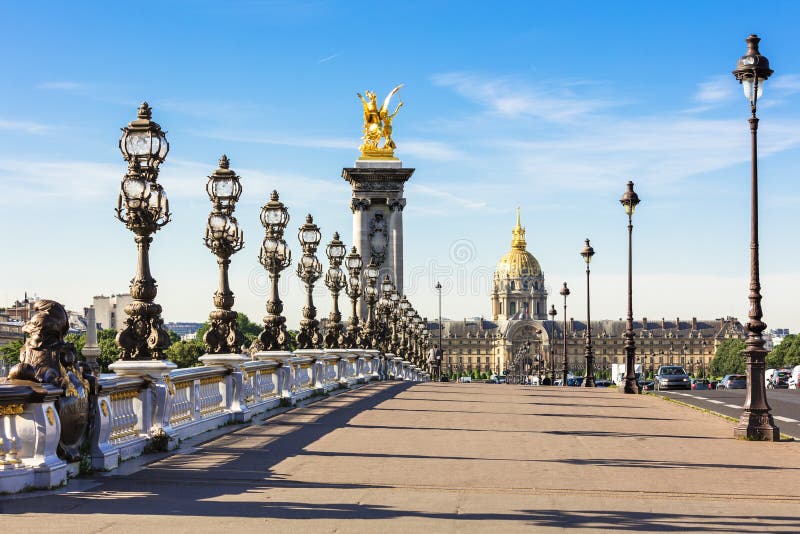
pixel 518 233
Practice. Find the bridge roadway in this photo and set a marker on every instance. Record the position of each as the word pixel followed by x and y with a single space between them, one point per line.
pixel 444 457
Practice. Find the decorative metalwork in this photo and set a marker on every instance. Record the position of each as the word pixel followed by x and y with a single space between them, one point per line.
pixel 629 201
pixel 378 125
pixel 224 238
pixel 371 274
pixel 336 281
pixel 309 270
pixel 354 265
pixel 275 256
pixel 144 209
pixel 756 422
pixel 587 252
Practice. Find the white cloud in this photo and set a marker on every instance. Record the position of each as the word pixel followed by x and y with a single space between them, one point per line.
pixel 787 84
pixel 716 90
pixel 26 126
pixel 62 86
pixel 512 99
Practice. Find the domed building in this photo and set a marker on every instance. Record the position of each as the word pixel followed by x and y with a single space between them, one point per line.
pixel 519 282
pixel 520 331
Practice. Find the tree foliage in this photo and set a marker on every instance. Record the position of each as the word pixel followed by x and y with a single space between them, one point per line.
pixel 729 359
pixel 186 353
pixel 10 352
pixel 786 354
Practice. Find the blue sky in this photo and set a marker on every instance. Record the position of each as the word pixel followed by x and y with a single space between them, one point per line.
pixel 550 106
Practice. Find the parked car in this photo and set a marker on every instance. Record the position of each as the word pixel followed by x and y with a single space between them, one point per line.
pixel 733 382
pixel 700 383
pixel 558 382
pixel 465 379
pixel 602 383
pixel 575 381
pixel 671 377
pixel 501 379
pixel 444 378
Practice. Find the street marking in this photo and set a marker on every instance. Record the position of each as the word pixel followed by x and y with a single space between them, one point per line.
pixel 715 401
pixel 733 406
pixel 785 419
pixel 685 394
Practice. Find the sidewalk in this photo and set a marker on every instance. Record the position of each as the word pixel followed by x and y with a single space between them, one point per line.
pixel 444 457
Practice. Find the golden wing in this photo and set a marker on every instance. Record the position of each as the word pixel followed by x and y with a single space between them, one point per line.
pixel 385 106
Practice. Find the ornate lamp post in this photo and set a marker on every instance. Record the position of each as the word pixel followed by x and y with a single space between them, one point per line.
pixel 402 322
pixel 354 264
pixel 224 238
pixel 552 313
pixel 144 209
pixel 394 298
pixel 565 293
pixel 309 270
pixel 587 252
pixel 371 274
pixel 275 256
pixel 629 201
pixel 756 422
pixel 335 280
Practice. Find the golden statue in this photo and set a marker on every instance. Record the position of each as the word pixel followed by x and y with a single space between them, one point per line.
pixel 377 125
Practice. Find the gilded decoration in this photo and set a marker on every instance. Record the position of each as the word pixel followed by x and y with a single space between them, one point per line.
pixel 518 262
pixel 378 126
pixel 51 416
pixel 11 409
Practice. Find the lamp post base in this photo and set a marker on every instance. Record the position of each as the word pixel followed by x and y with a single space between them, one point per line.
pixel 757 426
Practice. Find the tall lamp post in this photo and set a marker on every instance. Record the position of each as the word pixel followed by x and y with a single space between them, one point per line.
pixel 144 209
pixel 224 238
pixel 629 201
pixel 354 264
pixel 439 289
pixel 565 293
pixel 309 270
pixel 756 422
pixel 587 252
pixel 552 313
pixel 335 281
pixel 371 275
pixel 275 256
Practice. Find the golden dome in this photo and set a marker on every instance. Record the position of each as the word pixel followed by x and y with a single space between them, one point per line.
pixel 518 262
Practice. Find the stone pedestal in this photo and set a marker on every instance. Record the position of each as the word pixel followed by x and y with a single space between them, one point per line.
pixel 349 367
pixel 377 205
pixel 153 369
pixel 333 368
pixel 371 370
pixel 305 364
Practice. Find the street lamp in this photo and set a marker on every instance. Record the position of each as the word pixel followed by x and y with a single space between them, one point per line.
pixel 629 201
pixel 224 238
pixel 552 313
pixel 144 209
pixel 752 71
pixel 438 288
pixel 587 252
pixel 275 256
pixel 565 293
pixel 371 275
pixel 309 270
pixel 354 264
pixel 335 281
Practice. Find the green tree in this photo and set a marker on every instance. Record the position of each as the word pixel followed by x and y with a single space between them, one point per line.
pixel 10 352
pixel 186 353
pixel 786 354
pixel 728 359
pixel 109 351
pixel 79 340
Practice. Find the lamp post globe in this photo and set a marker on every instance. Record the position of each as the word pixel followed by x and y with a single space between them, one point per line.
pixel 756 422
pixel 629 201
pixel 144 142
pixel 309 270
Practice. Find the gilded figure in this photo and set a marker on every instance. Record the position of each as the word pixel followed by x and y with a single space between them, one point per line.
pixel 378 125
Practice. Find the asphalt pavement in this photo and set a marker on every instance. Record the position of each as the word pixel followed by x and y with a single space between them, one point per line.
pixel 785 404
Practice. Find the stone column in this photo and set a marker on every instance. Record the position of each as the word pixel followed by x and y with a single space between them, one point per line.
pixel 396 241
pixel 90 350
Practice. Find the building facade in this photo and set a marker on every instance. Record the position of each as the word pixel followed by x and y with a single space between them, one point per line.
pixel 519 306
pixel 110 311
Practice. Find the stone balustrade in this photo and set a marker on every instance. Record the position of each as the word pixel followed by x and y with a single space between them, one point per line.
pixel 156 411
